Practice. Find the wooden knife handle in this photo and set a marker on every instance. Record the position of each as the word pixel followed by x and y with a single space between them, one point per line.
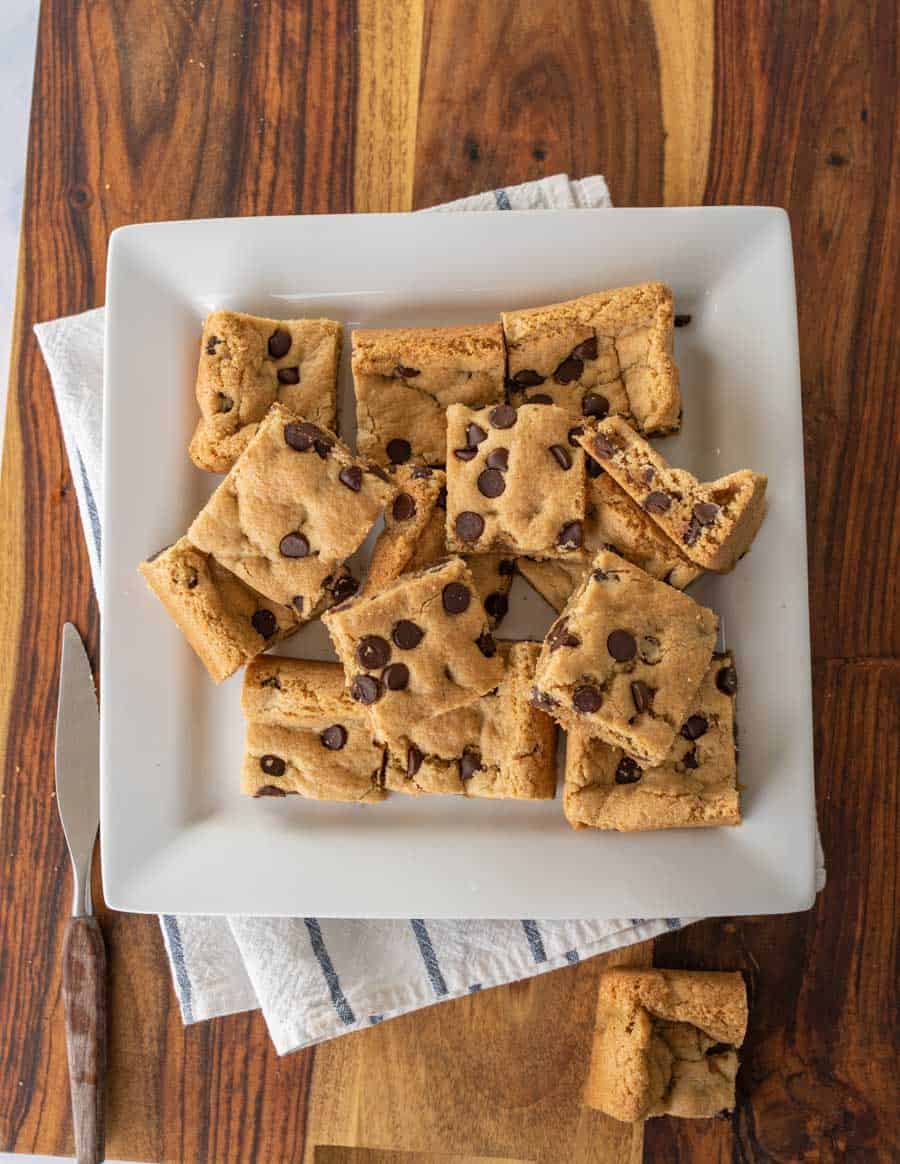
pixel 84 996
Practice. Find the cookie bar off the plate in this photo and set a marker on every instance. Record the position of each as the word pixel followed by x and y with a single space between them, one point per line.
pixel 499 746
pixel 713 523
pixel 247 364
pixel 416 649
pixel 305 734
pixel 405 379
pixel 666 1043
pixel 696 784
pixel 295 505
pixel 625 659
pixel 516 483
pixel 606 353
pixel 613 521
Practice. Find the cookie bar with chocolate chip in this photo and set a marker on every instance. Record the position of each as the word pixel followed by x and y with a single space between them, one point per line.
pixel 405 379
pixel 225 621
pixel 417 648
pixel 499 746
pixel 625 659
pixel 695 786
pixel 608 353
pixel 305 735
pixel 666 1043
pixel 712 523
pixel 614 522
pixel 515 482
pixel 295 504
pixel 247 364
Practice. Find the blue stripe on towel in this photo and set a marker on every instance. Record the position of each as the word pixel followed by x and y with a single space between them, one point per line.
pixel 176 953
pixel 341 1005
pixel 535 941
pixel 673 923
pixel 91 507
pixel 474 988
pixel 502 200
pixel 426 949
pixel 571 957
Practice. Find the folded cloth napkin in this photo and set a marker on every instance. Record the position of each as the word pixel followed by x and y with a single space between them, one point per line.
pixel 315 979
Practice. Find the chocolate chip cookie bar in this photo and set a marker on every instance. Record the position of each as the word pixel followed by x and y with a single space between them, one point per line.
pixel 609 353
pixel 712 523
pixel 625 659
pixel 295 504
pixel 614 522
pixel 696 784
pixel 305 735
pixel 414 537
pixel 499 746
pixel 666 1043
pixel 405 379
pixel 246 365
pixel 515 481
pixel 226 622
pixel 416 649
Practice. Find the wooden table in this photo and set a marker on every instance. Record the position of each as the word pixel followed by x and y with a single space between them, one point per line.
pixel 153 110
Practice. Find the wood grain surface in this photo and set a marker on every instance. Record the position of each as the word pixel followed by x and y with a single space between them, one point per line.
pixel 155 109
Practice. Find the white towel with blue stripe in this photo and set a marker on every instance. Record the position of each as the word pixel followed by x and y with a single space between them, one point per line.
pixel 314 978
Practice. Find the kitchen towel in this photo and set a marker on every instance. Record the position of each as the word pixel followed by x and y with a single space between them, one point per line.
pixel 314 978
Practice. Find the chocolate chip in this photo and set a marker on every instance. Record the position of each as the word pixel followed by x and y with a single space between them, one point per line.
pixel 323 446
pixel 503 416
pixel 441 500
pixel 264 623
pixel 689 759
pixel 404 507
pixel 467 454
pixel 603 446
pixel 657 502
pixel 726 680
pixel 570 369
pixel 421 471
pixel 377 471
pixel 692 531
pixel 593 404
pixel 642 696
pixel 539 398
pixel 211 345
pixel 574 434
pixel 456 597
pixel 404 372
pixel 469 763
pixel 475 434
pixel 365 689
pixel 351 476
pixel 594 468
pixel 497 605
pixel 586 350
pixel 396 677
pixel 600 575
pixel 372 652
pixel 543 700
pixel 406 634
pixel 706 512
pixel 648 474
pixel 498 459
pixel 562 456
pixel 191 578
pixel 343 587
pixel 469 526
pixel 288 375
pixel 694 727
pixel 683 320
pixel 486 644
pixel 527 378
pixel 506 567
pixel 628 771
pixel 294 545
pixel 279 343
pixel 414 760
pixel 399 451
pixel 621 645
pixel 300 436
pixel 587 698
pixel 272 765
pixel 571 535
pixel 269 790
pixel 559 635
pixel 333 738
pixel 491 483
pixel 225 403
pixel 297 600
pixel 271 681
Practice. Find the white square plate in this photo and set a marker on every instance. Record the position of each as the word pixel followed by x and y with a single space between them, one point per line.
pixel 177 835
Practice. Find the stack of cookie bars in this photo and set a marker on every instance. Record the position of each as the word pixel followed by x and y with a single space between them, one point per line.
pixel 488 450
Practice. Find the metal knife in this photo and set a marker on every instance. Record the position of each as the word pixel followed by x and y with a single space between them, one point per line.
pixel 84 956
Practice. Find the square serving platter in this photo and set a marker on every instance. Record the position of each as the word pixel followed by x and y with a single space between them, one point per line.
pixel 176 834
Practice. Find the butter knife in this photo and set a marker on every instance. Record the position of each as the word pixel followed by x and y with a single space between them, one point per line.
pixel 84 956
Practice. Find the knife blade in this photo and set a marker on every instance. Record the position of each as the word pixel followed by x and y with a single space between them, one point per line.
pixel 84 955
